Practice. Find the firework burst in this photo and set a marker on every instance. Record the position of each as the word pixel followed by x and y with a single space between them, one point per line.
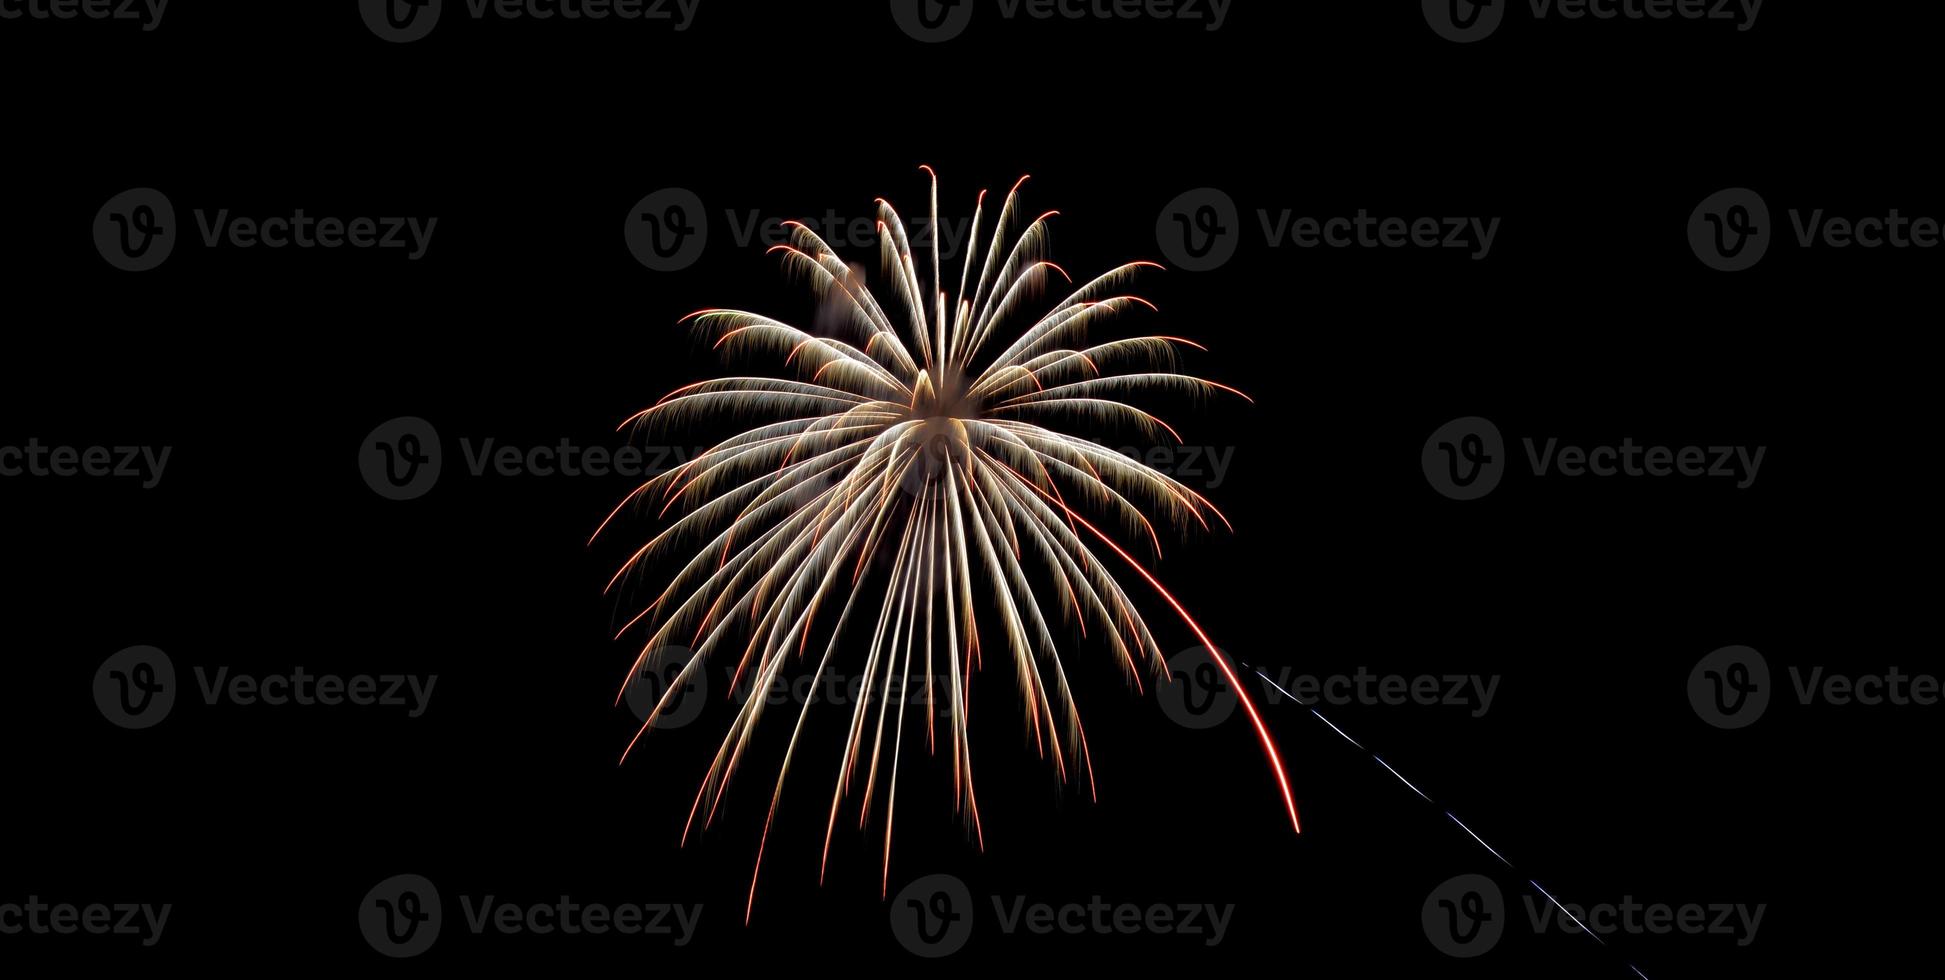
pixel 910 482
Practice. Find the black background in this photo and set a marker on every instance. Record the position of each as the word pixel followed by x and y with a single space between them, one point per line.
pixel 528 322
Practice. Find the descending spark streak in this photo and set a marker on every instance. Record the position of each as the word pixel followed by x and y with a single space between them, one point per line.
pixel 1449 814
pixel 1563 911
pixel 914 461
